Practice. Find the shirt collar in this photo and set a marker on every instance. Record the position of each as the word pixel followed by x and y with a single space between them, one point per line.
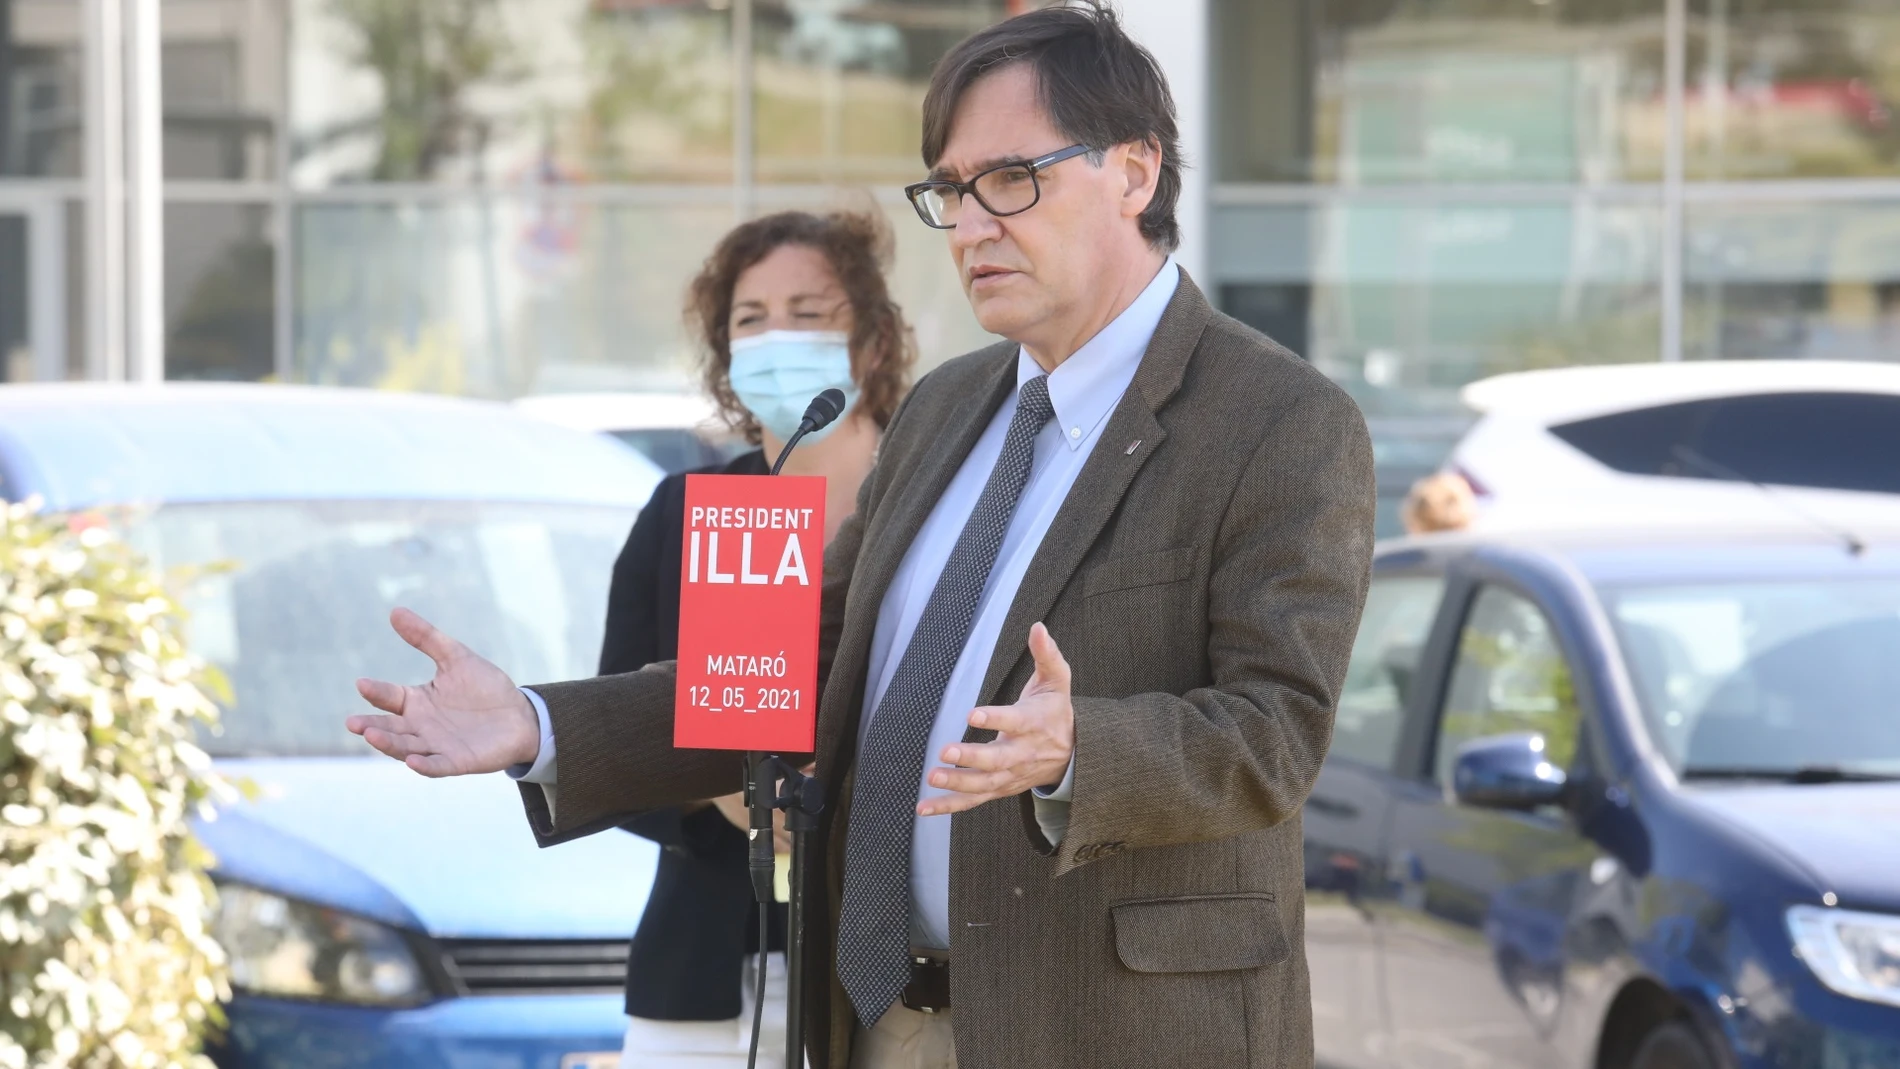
pixel 1084 388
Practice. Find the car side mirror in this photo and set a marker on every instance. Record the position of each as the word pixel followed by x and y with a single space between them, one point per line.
pixel 1507 772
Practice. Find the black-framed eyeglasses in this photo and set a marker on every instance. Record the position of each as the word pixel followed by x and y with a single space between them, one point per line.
pixel 1006 189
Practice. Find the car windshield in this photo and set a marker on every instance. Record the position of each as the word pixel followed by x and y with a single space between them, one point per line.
pixel 291 600
pixel 1790 679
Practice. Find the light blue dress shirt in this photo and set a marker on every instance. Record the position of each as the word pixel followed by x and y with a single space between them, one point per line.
pixel 1084 390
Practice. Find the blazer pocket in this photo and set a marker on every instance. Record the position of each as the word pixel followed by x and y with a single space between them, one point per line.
pixel 1139 570
pixel 1203 933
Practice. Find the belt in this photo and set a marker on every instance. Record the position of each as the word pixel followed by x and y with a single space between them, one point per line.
pixel 929 987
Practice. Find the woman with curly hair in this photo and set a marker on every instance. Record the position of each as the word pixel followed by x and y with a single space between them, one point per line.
pixel 786 306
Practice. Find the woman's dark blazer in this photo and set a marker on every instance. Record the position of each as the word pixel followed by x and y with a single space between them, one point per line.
pixel 701 921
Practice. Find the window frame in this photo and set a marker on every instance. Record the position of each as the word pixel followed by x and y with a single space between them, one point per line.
pixel 1408 706
pixel 1466 578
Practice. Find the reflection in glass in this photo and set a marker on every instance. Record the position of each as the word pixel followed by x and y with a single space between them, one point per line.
pixel 510 92
pixel 222 73
pixel 1403 302
pixel 16 355
pixel 1385 659
pixel 498 296
pixel 1351 93
pixel 403 90
pixel 1765 677
pixel 840 86
pixel 219 292
pixel 507 295
pixel 1793 89
pixel 521 91
pixel 1510 677
pixel 658 100
pixel 1814 280
pixel 294 598
pixel 42 76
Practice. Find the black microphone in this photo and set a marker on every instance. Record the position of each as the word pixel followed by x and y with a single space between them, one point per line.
pixel 760 861
pixel 824 408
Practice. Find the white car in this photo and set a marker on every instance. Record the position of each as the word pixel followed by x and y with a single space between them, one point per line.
pixel 293 519
pixel 1627 444
pixel 677 431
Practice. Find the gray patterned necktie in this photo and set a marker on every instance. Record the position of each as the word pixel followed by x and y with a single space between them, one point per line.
pixel 874 928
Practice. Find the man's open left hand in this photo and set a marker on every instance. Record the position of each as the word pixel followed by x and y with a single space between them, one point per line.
pixel 1034 742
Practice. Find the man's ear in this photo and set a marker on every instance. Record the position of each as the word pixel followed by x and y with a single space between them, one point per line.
pixel 1141 168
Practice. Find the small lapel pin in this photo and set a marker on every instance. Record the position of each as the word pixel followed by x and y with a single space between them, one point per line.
pixel 1132 446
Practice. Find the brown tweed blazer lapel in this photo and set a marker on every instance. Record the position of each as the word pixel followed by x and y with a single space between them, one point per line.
pixel 1132 435
pixel 887 538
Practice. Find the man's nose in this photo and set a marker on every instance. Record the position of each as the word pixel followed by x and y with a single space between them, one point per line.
pixel 975 225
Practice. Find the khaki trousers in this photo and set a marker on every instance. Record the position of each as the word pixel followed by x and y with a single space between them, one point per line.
pixel 905 1039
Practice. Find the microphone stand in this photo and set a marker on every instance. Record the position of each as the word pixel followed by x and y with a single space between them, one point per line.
pixel 803 798
pixel 773 783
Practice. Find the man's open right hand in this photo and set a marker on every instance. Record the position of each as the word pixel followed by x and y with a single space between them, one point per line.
pixel 470 718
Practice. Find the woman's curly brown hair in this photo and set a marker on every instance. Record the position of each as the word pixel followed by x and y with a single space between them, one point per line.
pixel 859 249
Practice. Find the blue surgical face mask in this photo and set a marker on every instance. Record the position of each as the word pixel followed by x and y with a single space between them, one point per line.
pixel 776 374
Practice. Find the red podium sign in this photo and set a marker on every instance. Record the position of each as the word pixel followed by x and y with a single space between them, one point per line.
pixel 750 573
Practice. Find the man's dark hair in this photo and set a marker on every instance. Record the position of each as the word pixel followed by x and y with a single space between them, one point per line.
pixel 1097 85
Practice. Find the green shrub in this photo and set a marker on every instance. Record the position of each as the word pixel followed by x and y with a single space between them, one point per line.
pixel 106 958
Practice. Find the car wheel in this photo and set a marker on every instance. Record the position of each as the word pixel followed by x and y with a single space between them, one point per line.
pixel 1672 1046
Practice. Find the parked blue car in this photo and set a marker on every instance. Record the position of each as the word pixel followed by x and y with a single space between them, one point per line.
pixel 312 513
pixel 1615 802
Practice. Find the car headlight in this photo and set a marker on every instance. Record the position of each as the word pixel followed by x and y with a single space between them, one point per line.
pixel 282 947
pixel 1856 954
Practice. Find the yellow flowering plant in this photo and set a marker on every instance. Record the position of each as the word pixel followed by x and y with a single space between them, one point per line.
pixel 107 960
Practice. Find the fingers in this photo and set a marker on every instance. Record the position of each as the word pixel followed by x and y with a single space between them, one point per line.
pixel 424 636
pixel 385 696
pixel 434 766
pixel 944 805
pixel 1052 669
pixel 987 756
pixel 978 781
pixel 1032 714
pixel 362 723
pixel 398 745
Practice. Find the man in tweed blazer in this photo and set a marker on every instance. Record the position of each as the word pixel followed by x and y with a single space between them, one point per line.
pixel 1160 526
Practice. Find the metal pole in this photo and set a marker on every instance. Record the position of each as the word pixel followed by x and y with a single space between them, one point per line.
pixel 145 267
pixel 744 163
pixel 46 251
pixel 801 824
pixel 284 279
pixel 105 190
pixel 1715 89
pixel 1675 52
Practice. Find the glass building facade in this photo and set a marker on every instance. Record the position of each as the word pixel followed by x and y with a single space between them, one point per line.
pixel 483 197
pixel 495 197
pixel 1417 193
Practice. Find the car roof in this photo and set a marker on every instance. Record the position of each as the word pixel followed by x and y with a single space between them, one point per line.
pixel 1555 395
pixel 621 411
pixel 1687 554
pixel 79 445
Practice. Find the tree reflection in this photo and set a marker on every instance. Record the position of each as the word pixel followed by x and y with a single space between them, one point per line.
pixel 428 57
